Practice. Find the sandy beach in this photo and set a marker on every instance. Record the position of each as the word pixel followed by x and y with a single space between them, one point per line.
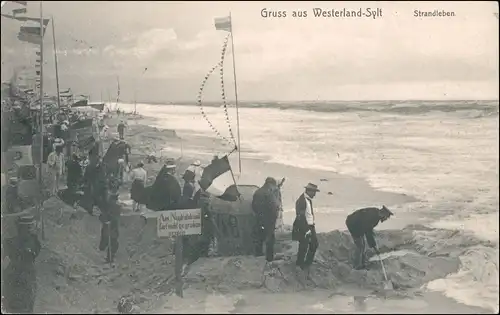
pixel 74 278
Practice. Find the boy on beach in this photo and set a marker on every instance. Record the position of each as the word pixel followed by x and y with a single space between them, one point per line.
pixel 121 129
pixel 360 224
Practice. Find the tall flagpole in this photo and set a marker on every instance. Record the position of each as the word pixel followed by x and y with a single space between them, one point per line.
pixel 236 96
pixel 55 60
pixel 40 180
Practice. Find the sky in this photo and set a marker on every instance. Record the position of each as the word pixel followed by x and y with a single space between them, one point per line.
pixel 395 56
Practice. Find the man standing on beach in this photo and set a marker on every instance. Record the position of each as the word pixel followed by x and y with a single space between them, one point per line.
pixel 20 273
pixel 109 218
pixel 266 205
pixel 304 229
pixel 360 224
pixel 121 129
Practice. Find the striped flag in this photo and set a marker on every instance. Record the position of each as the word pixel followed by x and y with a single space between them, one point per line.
pixel 27 18
pixel 31 34
pixel 18 11
pixel 218 180
pixel 223 24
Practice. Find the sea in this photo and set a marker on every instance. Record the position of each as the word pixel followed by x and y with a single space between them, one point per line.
pixel 444 153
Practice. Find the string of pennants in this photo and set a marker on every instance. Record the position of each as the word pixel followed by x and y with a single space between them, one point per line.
pixel 219 65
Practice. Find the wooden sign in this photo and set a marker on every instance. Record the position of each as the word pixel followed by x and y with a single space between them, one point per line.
pixel 175 223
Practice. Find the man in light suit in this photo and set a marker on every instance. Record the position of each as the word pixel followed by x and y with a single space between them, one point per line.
pixel 304 230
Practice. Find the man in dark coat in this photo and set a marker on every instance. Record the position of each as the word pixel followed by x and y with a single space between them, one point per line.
pixel 304 229
pixel 20 274
pixel 266 205
pixel 189 194
pixel 121 129
pixel 96 186
pixel 74 177
pixel 360 223
pixel 165 193
pixel 12 200
pixel 110 219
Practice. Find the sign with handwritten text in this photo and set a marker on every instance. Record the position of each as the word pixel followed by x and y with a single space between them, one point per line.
pixel 174 223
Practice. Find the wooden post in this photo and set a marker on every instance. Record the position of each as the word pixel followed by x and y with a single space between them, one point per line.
pixel 236 96
pixel 178 266
pixel 55 60
pixel 40 173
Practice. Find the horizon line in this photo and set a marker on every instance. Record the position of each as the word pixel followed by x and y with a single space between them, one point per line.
pixel 312 101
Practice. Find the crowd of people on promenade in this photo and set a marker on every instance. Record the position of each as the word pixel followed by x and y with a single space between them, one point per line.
pixel 94 175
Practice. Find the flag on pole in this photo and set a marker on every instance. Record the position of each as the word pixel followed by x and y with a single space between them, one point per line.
pixel 218 180
pixel 18 11
pixel 223 24
pixel 31 34
pixel 26 18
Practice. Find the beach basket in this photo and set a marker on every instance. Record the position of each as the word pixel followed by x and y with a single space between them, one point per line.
pixel 234 223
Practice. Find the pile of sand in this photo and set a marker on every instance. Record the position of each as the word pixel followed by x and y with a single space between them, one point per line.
pixel 73 276
pixel 409 267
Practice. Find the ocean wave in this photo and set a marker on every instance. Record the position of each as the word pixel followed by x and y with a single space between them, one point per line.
pixel 487 108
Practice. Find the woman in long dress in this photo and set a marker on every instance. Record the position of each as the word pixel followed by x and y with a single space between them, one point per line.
pixel 137 191
pixel 55 162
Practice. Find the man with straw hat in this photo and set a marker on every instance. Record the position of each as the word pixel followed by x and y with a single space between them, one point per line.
pixel 20 274
pixel 304 229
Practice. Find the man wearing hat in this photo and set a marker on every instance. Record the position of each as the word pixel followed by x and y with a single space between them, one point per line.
pixel 304 229
pixel 20 274
pixel 266 205
pixel 360 224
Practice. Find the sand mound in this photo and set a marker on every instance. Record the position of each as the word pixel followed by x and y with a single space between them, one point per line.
pixel 73 276
pixel 407 262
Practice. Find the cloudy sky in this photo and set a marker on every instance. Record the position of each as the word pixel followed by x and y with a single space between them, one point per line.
pixel 396 56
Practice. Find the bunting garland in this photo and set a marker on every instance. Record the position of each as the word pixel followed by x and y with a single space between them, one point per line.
pixel 219 65
pixel 223 92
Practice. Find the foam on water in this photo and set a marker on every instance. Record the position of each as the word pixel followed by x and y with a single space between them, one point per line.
pixel 446 158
